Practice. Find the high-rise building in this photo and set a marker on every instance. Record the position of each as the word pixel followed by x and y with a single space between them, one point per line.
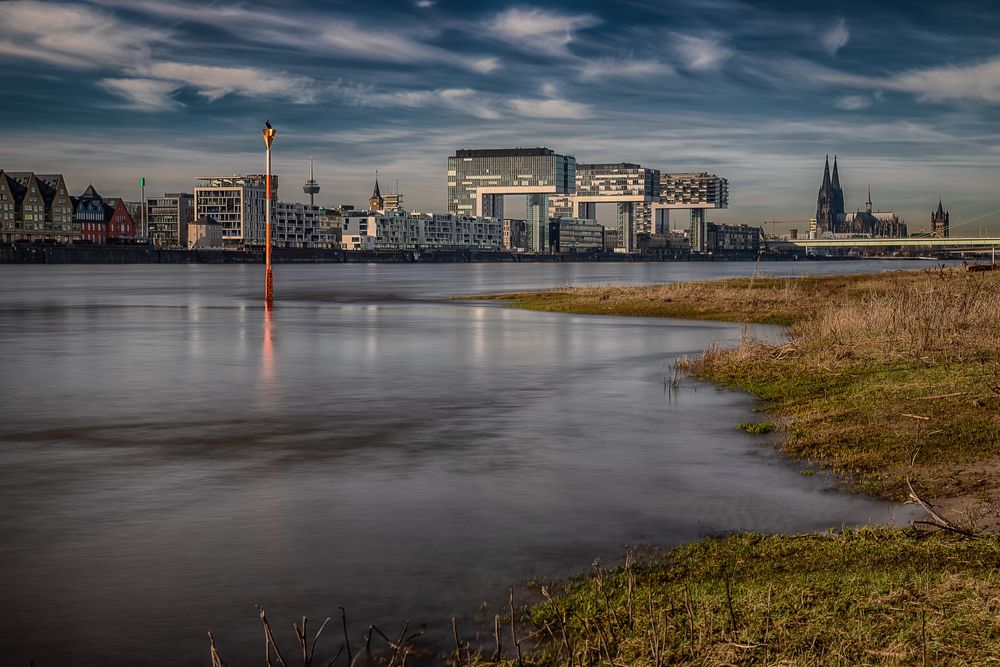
pixel 169 218
pixel 479 179
pixel 940 222
pixel 631 187
pixel 238 202
pixel 35 207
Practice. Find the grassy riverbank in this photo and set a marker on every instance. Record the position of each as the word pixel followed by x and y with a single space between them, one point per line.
pixel 867 597
pixel 883 378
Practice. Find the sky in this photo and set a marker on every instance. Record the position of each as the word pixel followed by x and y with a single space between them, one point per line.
pixel 906 94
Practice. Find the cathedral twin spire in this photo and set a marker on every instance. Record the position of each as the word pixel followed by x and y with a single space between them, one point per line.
pixel 830 203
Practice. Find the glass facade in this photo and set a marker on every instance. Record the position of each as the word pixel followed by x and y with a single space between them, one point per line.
pixel 479 179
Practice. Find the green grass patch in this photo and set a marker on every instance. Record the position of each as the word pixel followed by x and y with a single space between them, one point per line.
pixel 872 596
pixel 757 428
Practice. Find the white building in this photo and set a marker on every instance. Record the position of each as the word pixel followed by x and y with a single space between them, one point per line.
pixel 299 226
pixel 238 203
pixel 399 230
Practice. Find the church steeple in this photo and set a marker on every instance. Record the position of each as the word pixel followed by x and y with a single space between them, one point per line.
pixel 868 203
pixel 838 192
pixel 376 202
pixel 826 213
pixel 940 221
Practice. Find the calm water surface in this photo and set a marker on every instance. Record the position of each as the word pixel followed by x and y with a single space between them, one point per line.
pixel 169 456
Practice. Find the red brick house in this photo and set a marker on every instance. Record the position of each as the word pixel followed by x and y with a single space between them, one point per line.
pixel 119 224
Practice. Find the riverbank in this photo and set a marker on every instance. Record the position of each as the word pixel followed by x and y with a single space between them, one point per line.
pixel 882 377
pixel 885 379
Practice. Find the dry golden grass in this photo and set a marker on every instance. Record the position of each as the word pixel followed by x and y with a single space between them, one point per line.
pixel 897 369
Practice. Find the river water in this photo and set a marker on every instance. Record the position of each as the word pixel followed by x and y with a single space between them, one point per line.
pixel 169 456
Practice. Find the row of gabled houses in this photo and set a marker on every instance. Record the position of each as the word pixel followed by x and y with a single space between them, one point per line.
pixel 38 208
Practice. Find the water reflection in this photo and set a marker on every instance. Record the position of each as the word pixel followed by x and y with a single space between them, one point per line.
pixel 404 458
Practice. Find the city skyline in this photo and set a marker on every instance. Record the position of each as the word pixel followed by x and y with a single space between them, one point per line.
pixel 759 93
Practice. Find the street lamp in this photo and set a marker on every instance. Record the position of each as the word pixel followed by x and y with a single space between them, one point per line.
pixel 269 133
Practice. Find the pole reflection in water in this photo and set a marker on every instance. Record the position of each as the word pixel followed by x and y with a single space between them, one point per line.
pixel 267 397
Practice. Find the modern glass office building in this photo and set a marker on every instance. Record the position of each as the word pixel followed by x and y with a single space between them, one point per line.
pixel 479 179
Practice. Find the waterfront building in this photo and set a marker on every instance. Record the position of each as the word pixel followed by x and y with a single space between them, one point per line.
pixel 513 234
pixel 723 239
pixel 694 188
pixel 575 235
pixel 120 225
pixel 102 220
pixel 478 181
pixel 399 230
pixel 298 226
pixel 169 218
pixel 89 211
pixel 631 187
pixel 331 223
pixel 203 233
pixel 238 202
pixel 940 222
pixel 661 243
pixel 35 208
pixel 694 191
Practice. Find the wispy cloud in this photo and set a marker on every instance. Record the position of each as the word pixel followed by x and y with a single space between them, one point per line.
pixel 853 102
pixel 978 82
pixel 463 100
pixel 74 36
pixel 702 53
pixel 540 30
pixel 836 38
pixel 624 68
pixel 551 108
pixel 213 82
pixel 144 94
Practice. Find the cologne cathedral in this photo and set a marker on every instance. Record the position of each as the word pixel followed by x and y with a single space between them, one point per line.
pixel 832 218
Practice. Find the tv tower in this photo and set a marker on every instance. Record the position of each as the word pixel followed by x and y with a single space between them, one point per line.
pixel 311 187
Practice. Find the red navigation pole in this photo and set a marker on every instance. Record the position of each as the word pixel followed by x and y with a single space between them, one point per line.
pixel 269 133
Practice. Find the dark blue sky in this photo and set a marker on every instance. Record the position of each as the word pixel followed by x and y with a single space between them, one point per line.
pixel 907 94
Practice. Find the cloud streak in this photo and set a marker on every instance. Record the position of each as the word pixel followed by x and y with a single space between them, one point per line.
pixel 540 30
pixel 836 37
